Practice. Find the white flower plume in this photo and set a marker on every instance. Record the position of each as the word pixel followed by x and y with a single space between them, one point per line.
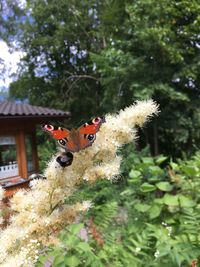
pixel 40 213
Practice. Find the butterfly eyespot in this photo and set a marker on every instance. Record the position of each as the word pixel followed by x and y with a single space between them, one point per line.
pixel 49 127
pixel 96 120
pixel 62 142
pixel 90 137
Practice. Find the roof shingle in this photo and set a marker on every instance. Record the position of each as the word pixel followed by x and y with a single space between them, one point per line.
pixel 9 109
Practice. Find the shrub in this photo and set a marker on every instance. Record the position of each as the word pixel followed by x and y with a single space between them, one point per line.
pixel 150 218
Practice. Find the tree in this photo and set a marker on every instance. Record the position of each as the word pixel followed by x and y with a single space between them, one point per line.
pixel 98 56
pixel 57 70
pixel 154 53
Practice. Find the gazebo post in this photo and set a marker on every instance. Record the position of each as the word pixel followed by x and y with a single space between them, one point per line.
pixel 35 154
pixel 21 155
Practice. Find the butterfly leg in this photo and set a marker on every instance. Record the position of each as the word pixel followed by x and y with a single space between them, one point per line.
pixel 65 159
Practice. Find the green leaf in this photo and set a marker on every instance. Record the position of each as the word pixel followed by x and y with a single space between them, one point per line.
pixel 42 259
pixel 163 249
pixel 75 228
pixel 170 220
pixel 126 192
pixel 148 161
pixel 160 159
pixel 72 261
pixel 155 170
pixel 174 166
pixel 177 257
pixel 71 241
pixel 158 200
pixel 190 170
pixel 170 200
pixel 58 261
pixel 154 211
pixel 186 202
pixel 84 246
pixel 146 187
pixel 142 207
pixel 134 174
pixel 164 186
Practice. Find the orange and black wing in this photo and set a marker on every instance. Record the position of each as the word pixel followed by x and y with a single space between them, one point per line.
pixel 92 127
pixel 56 132
pixel 63 136
pixel 87 132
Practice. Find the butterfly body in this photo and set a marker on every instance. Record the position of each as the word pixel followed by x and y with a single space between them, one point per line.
pixel 76 139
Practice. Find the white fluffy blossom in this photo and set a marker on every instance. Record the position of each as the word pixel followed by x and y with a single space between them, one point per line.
pixel 2 191
pixel 41 213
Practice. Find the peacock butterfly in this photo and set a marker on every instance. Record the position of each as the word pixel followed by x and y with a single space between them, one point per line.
pixel 76 139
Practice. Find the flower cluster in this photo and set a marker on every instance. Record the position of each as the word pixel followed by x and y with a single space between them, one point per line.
pixel 1 193
pixel 1 204
pixel 41 213
pixel 169 228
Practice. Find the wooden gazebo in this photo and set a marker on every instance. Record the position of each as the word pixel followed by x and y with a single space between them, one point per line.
pixel 18 150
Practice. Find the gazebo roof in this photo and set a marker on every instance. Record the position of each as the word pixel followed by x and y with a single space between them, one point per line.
pixel 10 109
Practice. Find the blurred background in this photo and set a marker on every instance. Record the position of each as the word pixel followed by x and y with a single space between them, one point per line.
pixel 93 57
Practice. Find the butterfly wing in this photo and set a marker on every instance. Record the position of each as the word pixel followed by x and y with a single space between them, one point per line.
pixel 56 132
pixel 71 143
pixel 86 140
pixel 64 137
pixel 92 127
pixel 87 132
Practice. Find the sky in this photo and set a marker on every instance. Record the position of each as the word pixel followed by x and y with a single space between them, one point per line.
pixel 10 60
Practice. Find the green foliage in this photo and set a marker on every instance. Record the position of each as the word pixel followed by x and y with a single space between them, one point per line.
pixel 72 252
pixel 80 53
pixel 57 68
pixel 45 150
pixel 151 217
pixel 150 54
